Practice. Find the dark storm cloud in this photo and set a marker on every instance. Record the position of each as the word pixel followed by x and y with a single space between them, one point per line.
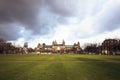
pixel 64 7
pixel 16 11
pixel 24 13
pixel 38 16
pixel 9 30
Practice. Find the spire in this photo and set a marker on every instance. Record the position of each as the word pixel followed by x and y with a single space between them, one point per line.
pixel 26 45
pixel 78 44
pixel 39 45
pixel 55 42
pixel 63 42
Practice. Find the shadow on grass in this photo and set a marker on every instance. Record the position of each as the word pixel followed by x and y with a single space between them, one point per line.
pixel 104 70
pixel 114 59
pixel 86 59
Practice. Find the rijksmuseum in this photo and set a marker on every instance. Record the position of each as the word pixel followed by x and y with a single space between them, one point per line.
pixel 108 47
pixel 58 48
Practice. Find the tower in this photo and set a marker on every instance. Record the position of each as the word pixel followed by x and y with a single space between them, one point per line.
pixel 78 44
pixel 25 48
pixel 55 42
pixel 25 45
pixel 63 43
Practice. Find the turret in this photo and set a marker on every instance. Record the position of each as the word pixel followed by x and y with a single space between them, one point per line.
pixel 63 43
pixel 55 42
pixel 25 45
pixel 39 45
pixel 78 44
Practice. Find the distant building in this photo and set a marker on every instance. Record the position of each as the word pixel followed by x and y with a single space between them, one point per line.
pixel 111 46
pixel 25 48
pixel 58 48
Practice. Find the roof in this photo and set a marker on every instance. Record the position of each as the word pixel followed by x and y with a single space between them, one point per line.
pixel 48 46
pixel 69 46
pixel 58 44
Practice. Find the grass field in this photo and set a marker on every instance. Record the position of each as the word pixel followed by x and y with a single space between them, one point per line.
pixel 59 67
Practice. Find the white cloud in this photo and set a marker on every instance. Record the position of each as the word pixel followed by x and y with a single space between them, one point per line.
pixel 83 27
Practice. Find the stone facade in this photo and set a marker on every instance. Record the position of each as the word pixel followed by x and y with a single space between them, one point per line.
pixel 58 48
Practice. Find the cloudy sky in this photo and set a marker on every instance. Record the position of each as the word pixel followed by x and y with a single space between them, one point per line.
pixel 42 21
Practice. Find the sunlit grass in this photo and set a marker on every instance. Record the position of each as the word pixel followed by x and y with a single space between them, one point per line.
pixel 59 67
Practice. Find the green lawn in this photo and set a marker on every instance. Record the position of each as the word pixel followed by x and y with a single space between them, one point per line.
pixel 59 67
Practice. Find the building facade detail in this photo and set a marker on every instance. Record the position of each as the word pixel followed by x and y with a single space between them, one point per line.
pixel 58 48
